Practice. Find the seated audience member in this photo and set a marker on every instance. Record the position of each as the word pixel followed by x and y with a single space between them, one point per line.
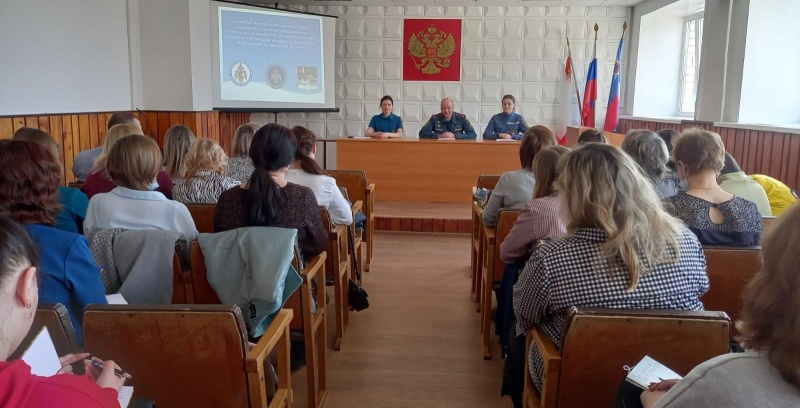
pixel 622 250
pixel 767 374
pixel 206 166
pixel 73 201
pixel 669 136
pixel 650 152
pixel 544 217
pixel 733 180
pixel 515 188
pixel 177 142
pixel 29 195
pixel 84 162
pixel 240 165
pixel 268 199
pixel 715 216
pixel 306 172
pixel 99 181
pixel 591 136
pixel 780 195
pixel 133 163
pixel 20 275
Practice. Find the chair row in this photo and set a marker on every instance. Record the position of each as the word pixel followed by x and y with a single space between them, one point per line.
pixel 180 355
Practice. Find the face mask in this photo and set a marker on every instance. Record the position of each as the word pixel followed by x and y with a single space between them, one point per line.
pixel 153 185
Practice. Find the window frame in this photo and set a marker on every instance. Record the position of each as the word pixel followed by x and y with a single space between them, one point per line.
pixel 698 19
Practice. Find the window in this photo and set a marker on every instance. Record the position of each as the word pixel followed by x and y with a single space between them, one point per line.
pixel 690 67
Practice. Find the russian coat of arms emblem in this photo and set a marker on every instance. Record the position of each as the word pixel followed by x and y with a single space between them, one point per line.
pixel 431 50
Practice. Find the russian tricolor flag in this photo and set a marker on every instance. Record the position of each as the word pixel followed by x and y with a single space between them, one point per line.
pixel 590 94
pixel 612 114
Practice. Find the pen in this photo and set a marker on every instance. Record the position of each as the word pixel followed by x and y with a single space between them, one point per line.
pixel 118 372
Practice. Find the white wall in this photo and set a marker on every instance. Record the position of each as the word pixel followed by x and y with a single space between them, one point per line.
pixel 771 77
pixel 64 56
pixel 658 69
pixel 516 50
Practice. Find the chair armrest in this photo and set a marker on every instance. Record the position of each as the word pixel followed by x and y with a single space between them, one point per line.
pixel 277 335
pixel 371 189
pixel 551 359
pixel 313 266
pixel 489 233
pixel 357 206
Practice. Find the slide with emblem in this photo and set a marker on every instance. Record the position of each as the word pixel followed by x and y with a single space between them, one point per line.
pixel 272 59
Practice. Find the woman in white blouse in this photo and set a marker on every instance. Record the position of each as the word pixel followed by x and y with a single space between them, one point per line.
pixel 306 172
pixel 133 163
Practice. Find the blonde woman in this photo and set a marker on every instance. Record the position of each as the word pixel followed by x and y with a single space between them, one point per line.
pixel 99 180
pixel 133 164
pixel 177 142
pixel 622 250
pixel 240 165
pixel 206 165
pixel 768 373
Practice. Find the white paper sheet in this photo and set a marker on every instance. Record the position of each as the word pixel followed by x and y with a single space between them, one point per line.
pixel 649 371
pixel 116 299
pixel 124 397
pixel 41 356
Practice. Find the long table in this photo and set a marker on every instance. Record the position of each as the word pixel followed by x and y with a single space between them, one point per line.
pixel 426 170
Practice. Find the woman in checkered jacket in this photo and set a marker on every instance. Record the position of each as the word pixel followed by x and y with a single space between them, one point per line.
pixel 622 250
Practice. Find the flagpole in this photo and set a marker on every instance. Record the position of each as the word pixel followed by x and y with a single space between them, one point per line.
pixel 575 80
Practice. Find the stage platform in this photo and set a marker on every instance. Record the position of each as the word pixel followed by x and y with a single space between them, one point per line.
pixel 407 216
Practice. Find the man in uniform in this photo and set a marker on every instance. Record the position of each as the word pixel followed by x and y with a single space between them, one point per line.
pixel 448 124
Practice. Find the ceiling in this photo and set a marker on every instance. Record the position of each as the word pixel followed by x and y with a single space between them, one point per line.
pixel 628 3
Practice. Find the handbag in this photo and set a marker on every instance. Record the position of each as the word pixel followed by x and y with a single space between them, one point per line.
pixel 356 295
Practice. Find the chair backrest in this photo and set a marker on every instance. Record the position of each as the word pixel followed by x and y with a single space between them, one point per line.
pixel 178 355
pixel 180 272
pixel 767 223
pixel 203 216
pixel 56 318
pixel 597 343
pixel 355 181
pixel 75 184
pixel 488 181
pixel 505 221
pixel 729 270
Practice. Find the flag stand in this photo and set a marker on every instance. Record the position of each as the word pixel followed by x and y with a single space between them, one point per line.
pixel 575 81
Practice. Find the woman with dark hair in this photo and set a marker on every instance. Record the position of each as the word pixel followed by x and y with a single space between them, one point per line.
pixel 306 172
pixel 386 124
pixel 29 195
pixel 506 124
pixel 19 263
pixel 73 202
pixel 591 136
pixel 515 188
pixel 268 199
pixel 768 373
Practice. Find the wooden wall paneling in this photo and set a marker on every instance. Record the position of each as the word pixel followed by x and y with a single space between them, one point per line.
pixel 18 123
pixel 71 141
pixel 755 143
pixel 55 131
pixel 83 133
pixel 190 121
pixel 150 124
pixel 794 161
pixel 175 118
pixel 766 151
pixel 32 121
pixel 204 125
pixel 163 125
pixel 6 128
pixel 43 123
pixel 94 135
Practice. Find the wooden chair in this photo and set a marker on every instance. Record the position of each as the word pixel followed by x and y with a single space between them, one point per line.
pixel 75 184
pixel 310 324
pixel 586 370
pixel 355 181
pixel 729 271
pixel 768 221
pixel 192 355
pixel 55 317
pixel 203 216
pixel 181 278
pixel 337 265
pixel 358 241
pixel 492 271
pixel 488 182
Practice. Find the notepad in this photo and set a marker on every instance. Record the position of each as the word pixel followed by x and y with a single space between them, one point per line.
pixel 505 140
pixel 41 356
pixel 650 371
pixel 116 299
pixel 124 396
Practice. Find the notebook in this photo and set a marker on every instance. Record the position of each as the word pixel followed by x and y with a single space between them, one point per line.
pixel 125 395
pixel 650 371
pixel 41 355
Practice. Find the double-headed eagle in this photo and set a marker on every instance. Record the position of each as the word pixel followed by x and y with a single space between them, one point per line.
pixel 431 50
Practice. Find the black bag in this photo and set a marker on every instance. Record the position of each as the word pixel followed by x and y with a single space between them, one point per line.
pixel 356 295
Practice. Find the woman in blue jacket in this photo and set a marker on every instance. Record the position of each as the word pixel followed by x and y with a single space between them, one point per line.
pixel 506 125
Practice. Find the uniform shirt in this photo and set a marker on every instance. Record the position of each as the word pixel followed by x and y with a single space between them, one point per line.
pixel 390 124
pixel 458 124
pixel 571 271
pixel 512 123
pixel 204 188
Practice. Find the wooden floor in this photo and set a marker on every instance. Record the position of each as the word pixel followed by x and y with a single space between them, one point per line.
pixel 418 345
pixel 410 209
